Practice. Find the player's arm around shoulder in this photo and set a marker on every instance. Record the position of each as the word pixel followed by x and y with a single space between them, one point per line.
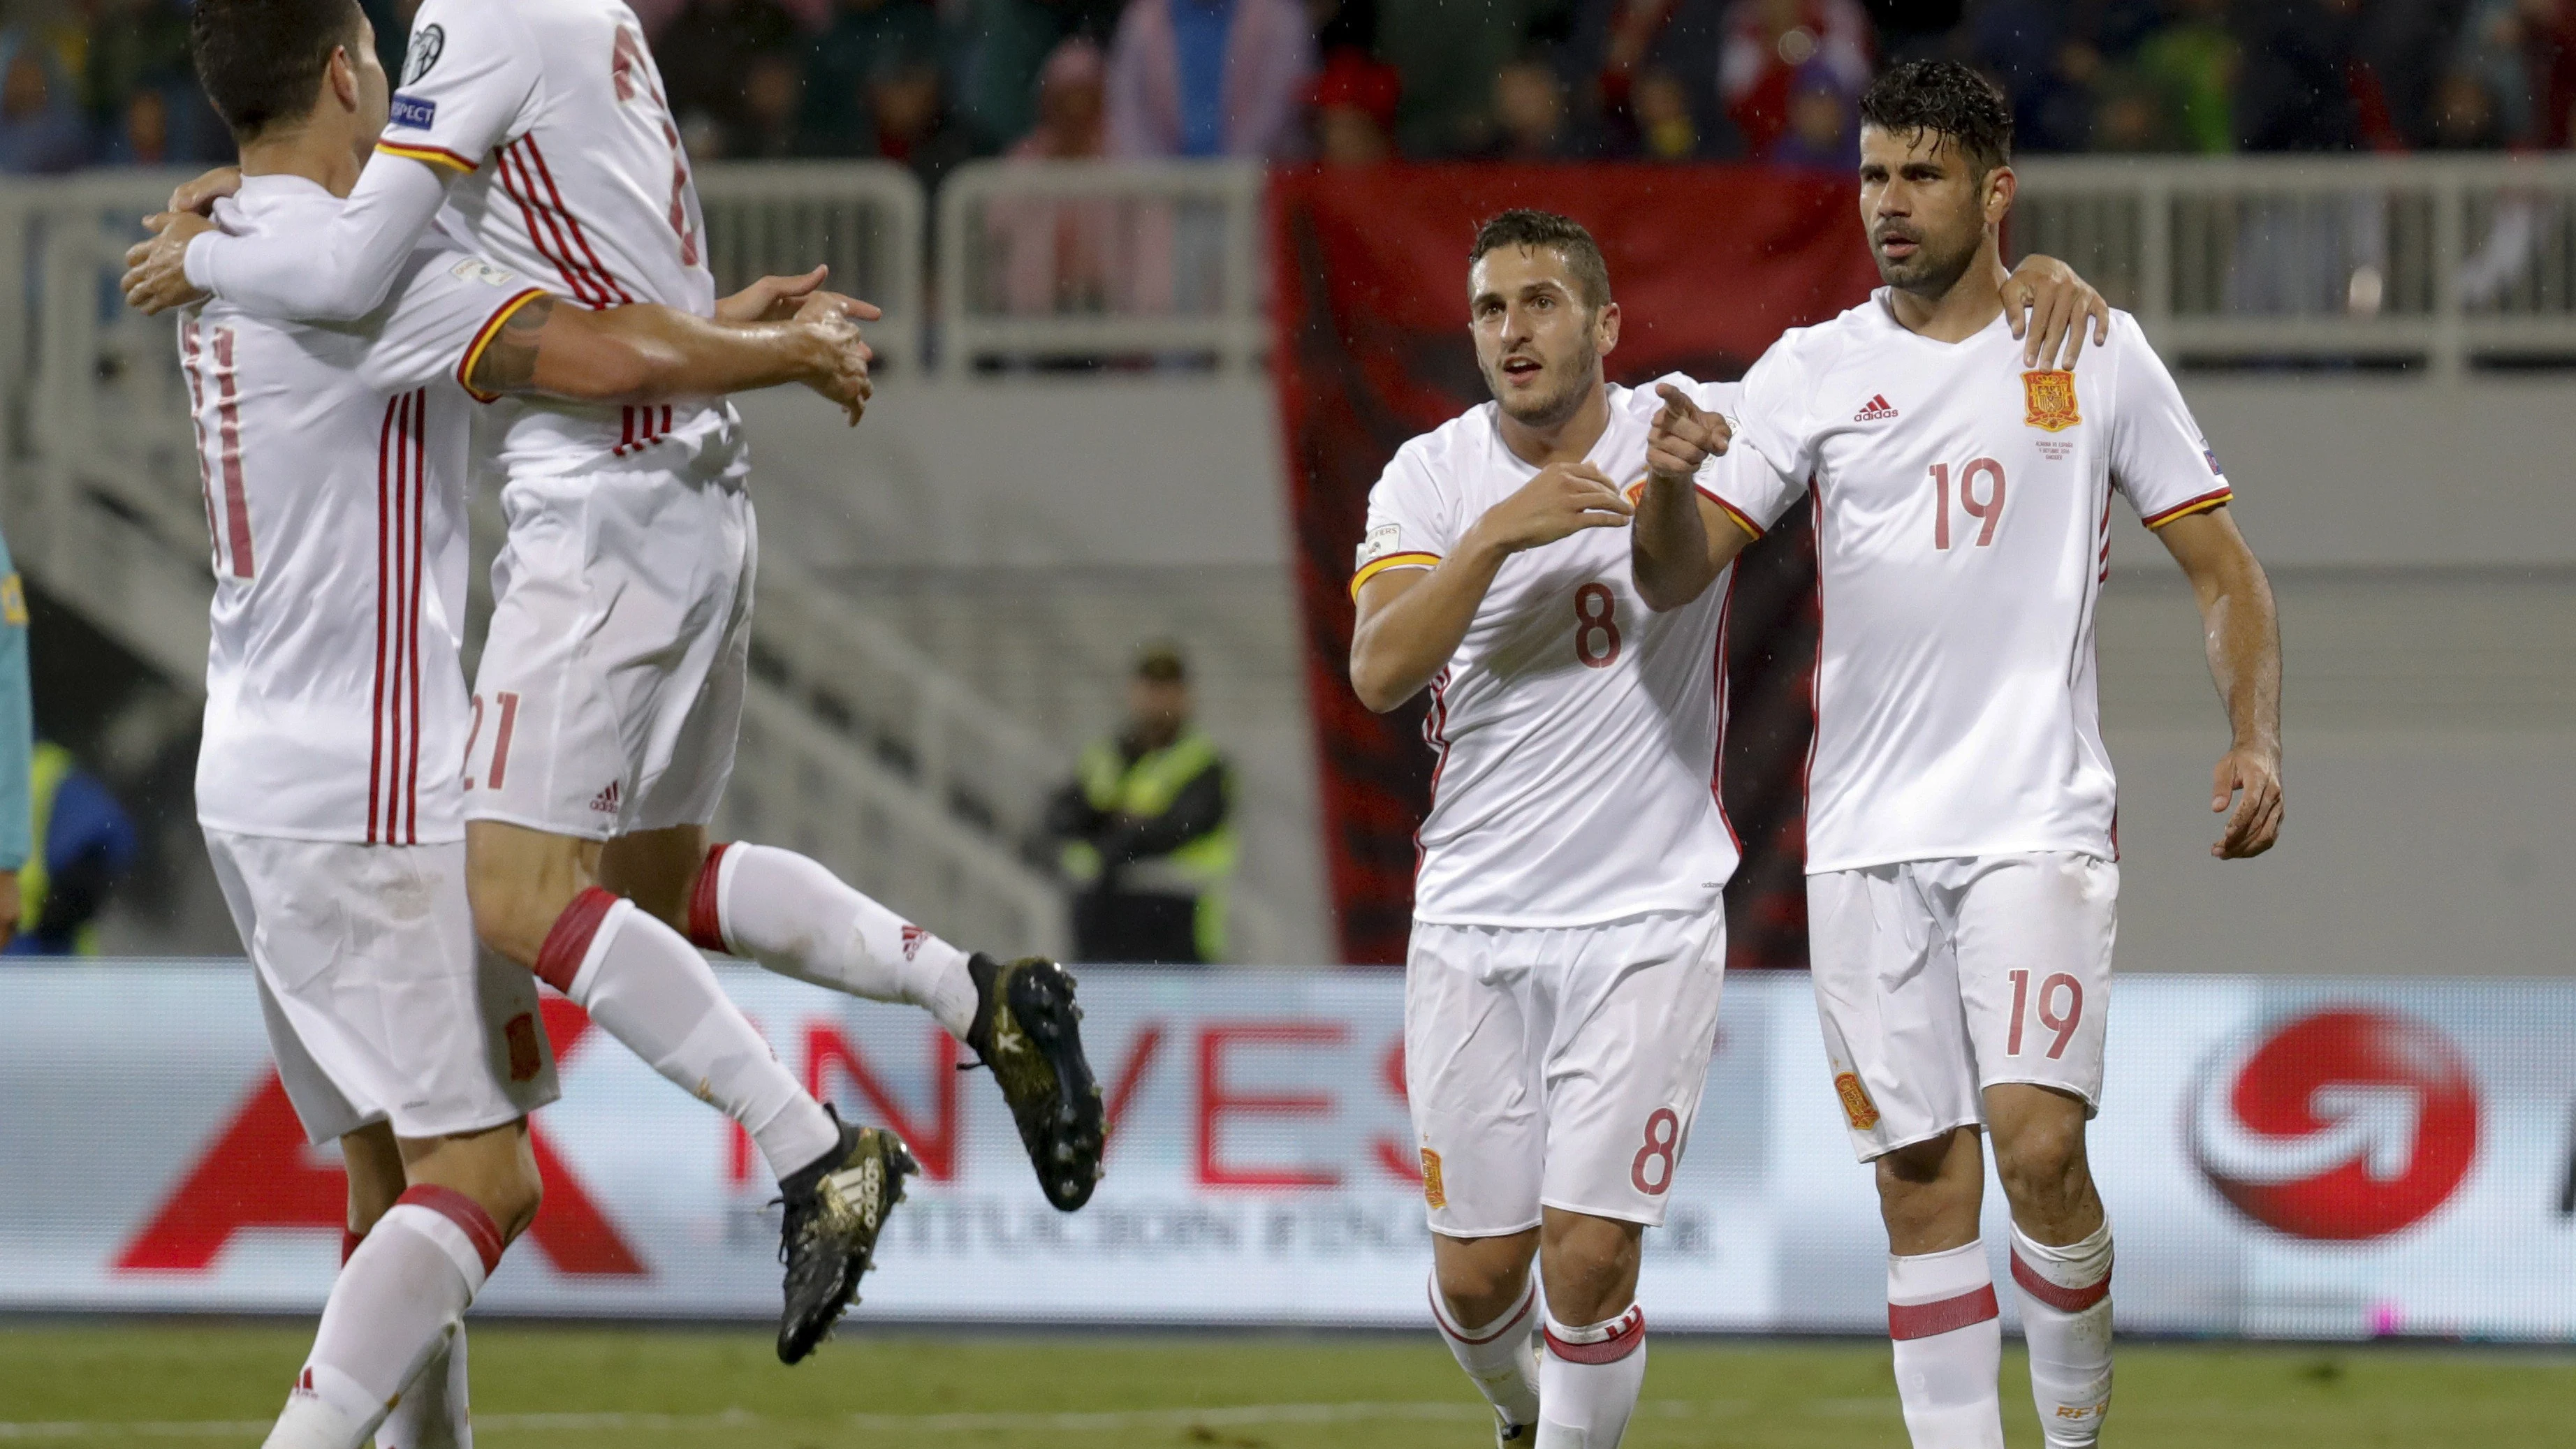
pixel 651 353
pixel 1413 617
pixel 1684 538
pixel 2242 631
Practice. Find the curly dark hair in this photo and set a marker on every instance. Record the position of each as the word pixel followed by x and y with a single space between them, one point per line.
pixel 1949 99
pixel 1522 227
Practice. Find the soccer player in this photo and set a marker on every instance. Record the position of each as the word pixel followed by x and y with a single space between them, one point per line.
pixel 328 783
pixel 1961 867
pixel 1569 936
pixel 610 690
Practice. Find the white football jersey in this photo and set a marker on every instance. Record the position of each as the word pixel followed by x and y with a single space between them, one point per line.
pixel 334 461
pixel 569 171
pixel 1963 517
pixel 1577 729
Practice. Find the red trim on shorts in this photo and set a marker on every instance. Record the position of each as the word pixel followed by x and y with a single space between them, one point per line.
pixel 559 959
pixel 2057 1296
pixel 349 1242
pixel 706 921
pixel 466 1213
pixel 1945 1315
pixel 1440 1319
pixel 1625 1339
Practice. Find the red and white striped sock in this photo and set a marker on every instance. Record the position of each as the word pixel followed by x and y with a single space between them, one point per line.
pixel 798 919
pixel 649 988
pixel 1500 1357
pixel 2066 1315
pixel 397 1302
pixel 1941 1313
pixel 1589 1379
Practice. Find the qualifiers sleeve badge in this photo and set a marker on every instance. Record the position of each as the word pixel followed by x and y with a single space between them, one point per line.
pixel 2049 400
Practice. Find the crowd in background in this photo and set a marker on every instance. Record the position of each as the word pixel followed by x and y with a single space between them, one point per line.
pixel 931 82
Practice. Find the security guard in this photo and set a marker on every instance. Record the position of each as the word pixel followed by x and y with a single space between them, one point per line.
pixel 1149 840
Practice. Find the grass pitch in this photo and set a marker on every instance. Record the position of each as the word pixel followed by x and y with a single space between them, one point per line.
pixel 173 1384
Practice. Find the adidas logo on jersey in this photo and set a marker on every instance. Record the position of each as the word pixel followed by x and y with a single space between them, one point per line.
pixel 605 802
pixel 1876 408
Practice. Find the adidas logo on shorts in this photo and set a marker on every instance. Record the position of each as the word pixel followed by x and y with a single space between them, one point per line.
pixel 1876 408
pixel 605 802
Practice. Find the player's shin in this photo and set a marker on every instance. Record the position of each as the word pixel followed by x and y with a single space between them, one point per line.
pixel 2066 1314
pixel 1589 1379
pixel 1501 1357
pixel 397 1303
pixel 798 919
pixel 433 1412
pixel 1941 1313
pixel 651 990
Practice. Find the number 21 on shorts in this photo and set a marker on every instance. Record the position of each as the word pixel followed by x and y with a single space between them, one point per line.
pixel 2058 988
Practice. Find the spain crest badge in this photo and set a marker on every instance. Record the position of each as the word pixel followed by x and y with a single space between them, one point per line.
pixel 2049 400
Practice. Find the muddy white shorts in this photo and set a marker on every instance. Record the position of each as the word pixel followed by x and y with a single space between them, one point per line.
pixel 1936 979
pixel 1557 1067
pixel 610 691
pixel 379 1006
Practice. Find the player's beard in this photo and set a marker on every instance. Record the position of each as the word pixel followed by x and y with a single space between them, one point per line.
pixel 1574 383
pixel 1933 269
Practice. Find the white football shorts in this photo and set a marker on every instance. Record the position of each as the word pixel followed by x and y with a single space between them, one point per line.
pixel 1558 1067
pixel 1936 979
pixel 610 691
pixel 380 1008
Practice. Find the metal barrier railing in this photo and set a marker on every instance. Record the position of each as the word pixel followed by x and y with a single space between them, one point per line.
pixel 1052 262
pixel 2439 263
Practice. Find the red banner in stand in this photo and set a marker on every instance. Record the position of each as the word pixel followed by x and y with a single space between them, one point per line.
pixel 1710 264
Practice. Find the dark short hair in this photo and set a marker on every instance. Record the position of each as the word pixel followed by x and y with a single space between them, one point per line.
pixel 1521 227
pixel 1162 663
pixel 1949 99
pixel 262 61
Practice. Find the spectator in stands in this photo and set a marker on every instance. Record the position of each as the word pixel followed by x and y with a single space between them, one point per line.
pixel 1769 41
pixel 2296 88
pixel 1529 114
pixel 1824 122
pixel 907 105
pixel 1209 78
pixel 2495 64
pixel 1446 54
pixel 841 60
pixel 1353 102
pixel 1660 109
pixel 137 48
pixel 2190 66
pixel 1059 256
pixel 705 54
pixel 773 93
pixel 40 119
pixel 1003 45
pixel 2465 114
pixel 1147 830
pixel 17 744
pixel 82 844
pixel 2046 62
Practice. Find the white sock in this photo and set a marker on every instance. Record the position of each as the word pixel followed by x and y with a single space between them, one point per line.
pixel 397 1302
pixel 2066 1315
pixel 1589 1379
pixel 433 1412
pixel 798 919
pixel 1949 1348
pixel 652 990
pixel 1501 1357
